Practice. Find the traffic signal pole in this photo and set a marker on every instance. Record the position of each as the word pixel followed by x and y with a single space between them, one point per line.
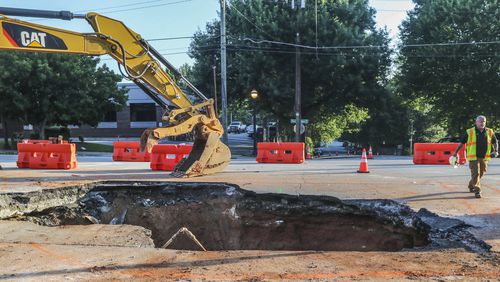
pixel 297 92
pixel 223 70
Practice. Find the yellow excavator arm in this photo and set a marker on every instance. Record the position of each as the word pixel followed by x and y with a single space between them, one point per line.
pixel 139 62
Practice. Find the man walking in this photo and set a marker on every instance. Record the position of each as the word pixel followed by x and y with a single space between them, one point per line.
pixel 481 144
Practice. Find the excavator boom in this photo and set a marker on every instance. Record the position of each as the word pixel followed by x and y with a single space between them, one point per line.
pixel 139 62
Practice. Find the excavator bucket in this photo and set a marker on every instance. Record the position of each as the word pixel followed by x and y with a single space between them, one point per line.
pixel 207 157
pixel 142 64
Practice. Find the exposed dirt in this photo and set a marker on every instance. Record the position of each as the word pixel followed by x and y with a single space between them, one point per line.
pixel 43 262
pixel 423 245
pixel 225 217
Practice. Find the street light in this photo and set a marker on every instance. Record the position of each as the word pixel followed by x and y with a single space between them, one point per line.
pixel 254 94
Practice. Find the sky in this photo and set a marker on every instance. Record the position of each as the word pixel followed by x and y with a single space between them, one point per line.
pixel 174 18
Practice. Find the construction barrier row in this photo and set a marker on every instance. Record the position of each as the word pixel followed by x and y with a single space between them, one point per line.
pixel 129 152
pixel 436 153
pixel 286 152
pixel 32 141
pixel 167 156
pixel 43 155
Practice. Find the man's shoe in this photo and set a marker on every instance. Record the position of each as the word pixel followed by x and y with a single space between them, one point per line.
pixel 472 190
pixel 477 192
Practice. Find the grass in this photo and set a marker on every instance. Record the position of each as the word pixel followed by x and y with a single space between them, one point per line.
pixel 89 147
pixel 6 152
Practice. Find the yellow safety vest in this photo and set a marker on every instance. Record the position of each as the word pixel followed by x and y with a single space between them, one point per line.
pixel 471 144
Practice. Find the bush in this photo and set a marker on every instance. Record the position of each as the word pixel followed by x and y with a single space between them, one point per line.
pixel 34 136
pixel 309 145
pixel 56 132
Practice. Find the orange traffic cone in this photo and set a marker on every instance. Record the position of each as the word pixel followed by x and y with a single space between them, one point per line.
pixel 363 165
pixel 370 153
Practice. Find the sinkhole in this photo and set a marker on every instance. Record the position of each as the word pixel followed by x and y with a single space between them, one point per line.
pixel 225 217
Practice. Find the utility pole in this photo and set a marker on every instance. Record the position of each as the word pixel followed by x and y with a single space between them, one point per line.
pixel 214 68
pixel 297 91
pixel 223 69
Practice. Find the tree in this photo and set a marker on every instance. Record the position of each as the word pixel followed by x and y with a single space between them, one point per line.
pixel 60 89
pixel 428 127
pixel 458 81
pixel 11 100
pixel 331 78
pixel 388 124
pixel 332 126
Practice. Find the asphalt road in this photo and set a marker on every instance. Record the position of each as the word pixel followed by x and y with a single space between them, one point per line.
pixel 439 188
pixel 240 144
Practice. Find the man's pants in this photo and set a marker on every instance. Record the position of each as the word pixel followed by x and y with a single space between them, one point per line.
pixel 477 169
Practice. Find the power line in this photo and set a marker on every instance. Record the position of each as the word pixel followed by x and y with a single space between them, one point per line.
pixel 173 53
pixel 238 48
pixel 259 41
pixel 149 6
pixel 187 48
pixel 248 20
pixel 391 10
pixel 177 38
pixel 281 50
pixel 120 6
pixel 291 51
pixel 451 44
pixel 251 49
pixel 170 38
pixel 127 5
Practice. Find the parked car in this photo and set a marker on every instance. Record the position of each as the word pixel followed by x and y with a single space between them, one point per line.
pixel 249 129
pixel 243 128
pixel 235 127
pixel 333 148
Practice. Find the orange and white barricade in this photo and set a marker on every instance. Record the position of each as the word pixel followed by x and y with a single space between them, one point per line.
pixel 286 152
pixel 46 156
pixel 129 151
pixel 167 156
pixel 437 153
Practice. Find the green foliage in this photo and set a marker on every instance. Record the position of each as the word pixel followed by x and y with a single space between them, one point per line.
pixel 185 70
pixel 241 111
pixel 388 123
pixel 459 82
pixel 331 79
pixel 58 131
pixel 428 127
pixel 58 89
pixel 329 127
pixel 309 145
pixel 11 99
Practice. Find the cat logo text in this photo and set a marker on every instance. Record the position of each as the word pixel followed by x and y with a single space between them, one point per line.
pixel 33 39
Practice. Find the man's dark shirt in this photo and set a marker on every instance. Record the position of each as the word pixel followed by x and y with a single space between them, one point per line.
pixel 481 142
